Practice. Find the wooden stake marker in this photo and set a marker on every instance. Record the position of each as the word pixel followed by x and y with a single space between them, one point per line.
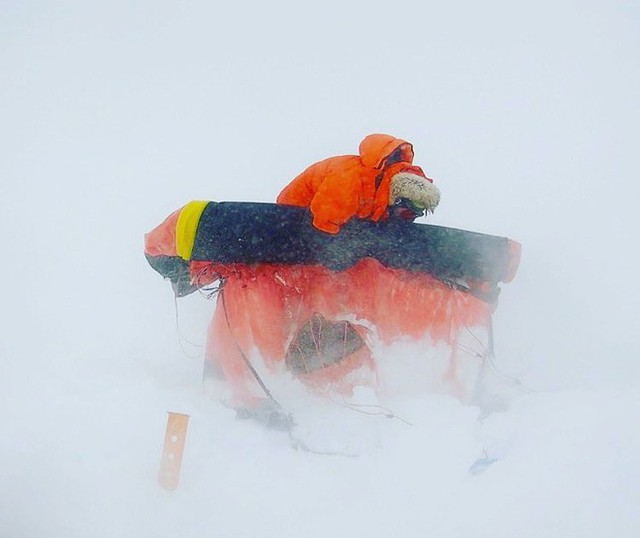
pixel 174 439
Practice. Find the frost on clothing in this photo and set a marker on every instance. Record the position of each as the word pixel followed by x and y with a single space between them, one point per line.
pixel 340 188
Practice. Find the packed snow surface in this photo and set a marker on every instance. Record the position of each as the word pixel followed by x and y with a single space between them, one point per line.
pixel 84 462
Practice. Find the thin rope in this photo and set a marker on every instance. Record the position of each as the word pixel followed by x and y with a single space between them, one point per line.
pixel 242 354
pixel 182 337
pixel 383 411
pixel 208 293
pixel 485 348
pixel 490 357
pixel 469 350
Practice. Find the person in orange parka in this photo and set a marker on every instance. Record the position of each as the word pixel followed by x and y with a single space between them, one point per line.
pixel 379 182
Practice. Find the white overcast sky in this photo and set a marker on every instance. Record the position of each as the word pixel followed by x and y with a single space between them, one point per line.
pixel 115 113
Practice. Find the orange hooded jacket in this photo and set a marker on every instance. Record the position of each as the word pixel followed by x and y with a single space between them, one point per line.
pixel 339 188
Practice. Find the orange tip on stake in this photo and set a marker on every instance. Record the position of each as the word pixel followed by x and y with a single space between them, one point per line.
pixel 171 462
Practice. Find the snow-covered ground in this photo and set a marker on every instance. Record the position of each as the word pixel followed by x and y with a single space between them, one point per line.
pixel 114 114
pixel 82 453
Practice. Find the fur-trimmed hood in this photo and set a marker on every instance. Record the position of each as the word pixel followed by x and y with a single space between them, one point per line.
pixel 417 188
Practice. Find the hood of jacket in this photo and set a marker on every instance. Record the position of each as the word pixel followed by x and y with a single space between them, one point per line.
pixel 375 148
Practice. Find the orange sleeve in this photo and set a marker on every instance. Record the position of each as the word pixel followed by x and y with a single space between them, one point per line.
pixel 330 188
pixel 335 202
pixel 301 190
pixel 296 193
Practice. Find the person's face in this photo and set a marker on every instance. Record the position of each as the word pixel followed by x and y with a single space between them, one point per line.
pixel 405 209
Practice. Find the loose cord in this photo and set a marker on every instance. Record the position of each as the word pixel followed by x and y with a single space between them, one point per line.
pixel 253 371
pixel 382 411
pixel 490 356
pixel 181 337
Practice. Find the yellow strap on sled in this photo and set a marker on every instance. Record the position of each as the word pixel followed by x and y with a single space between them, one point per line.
pixel 187 226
